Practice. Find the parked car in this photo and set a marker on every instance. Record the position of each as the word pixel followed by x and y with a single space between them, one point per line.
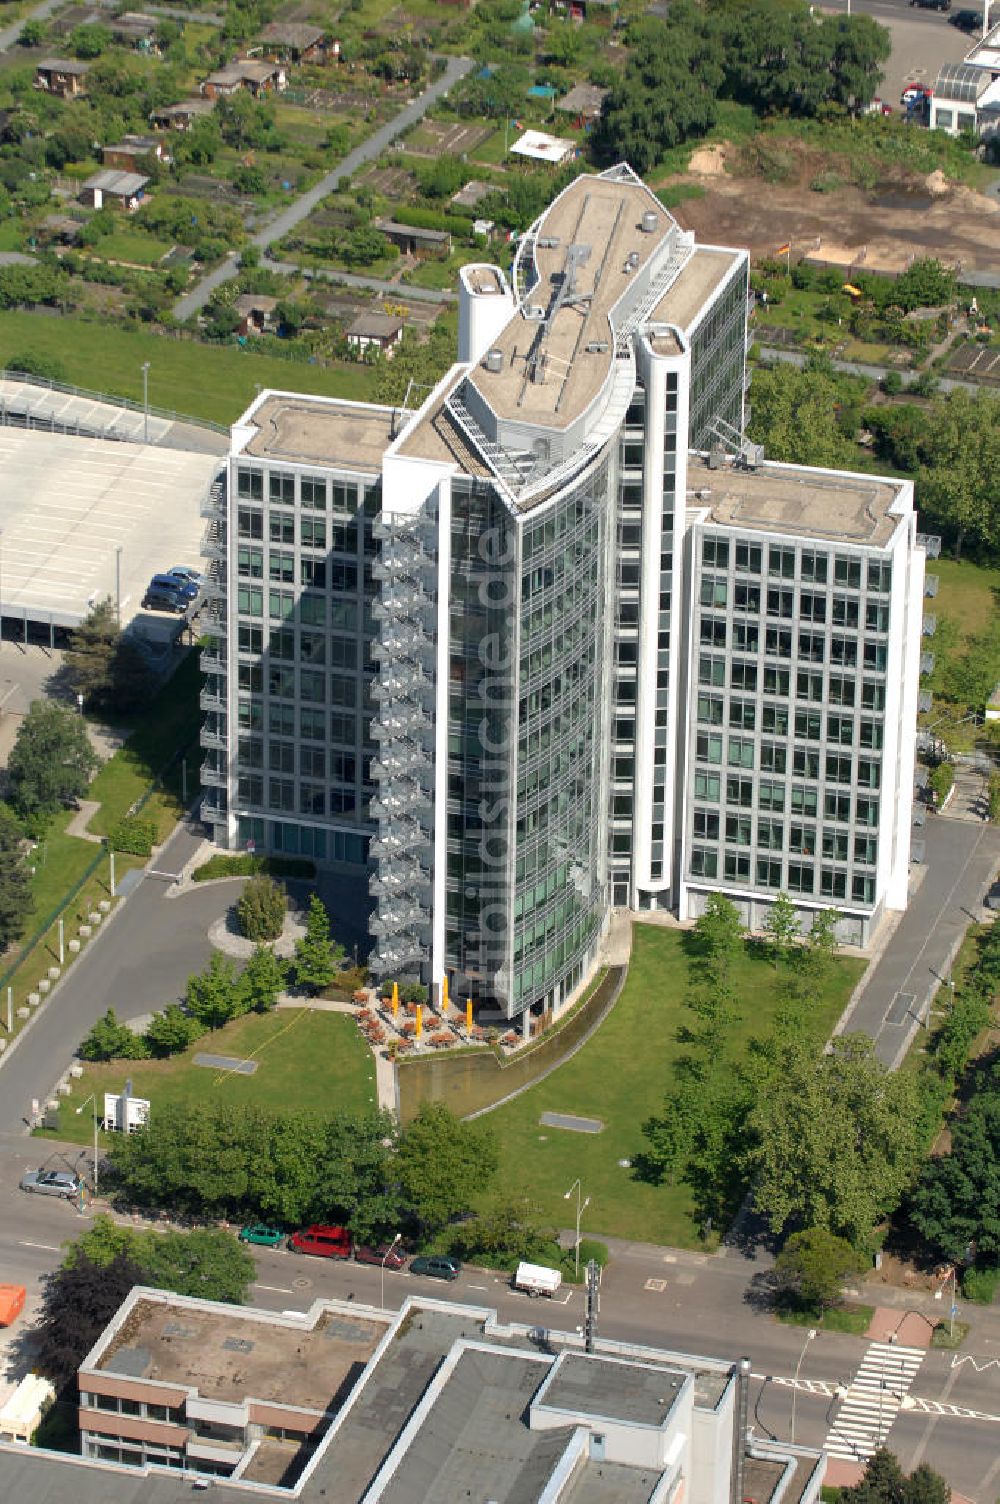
pixel 915 94
pixel 261 1234
pixel 165 594
pixel 187 587
pixel 967 20
pixel 187 574
pixel 51 1183
pixel 365 1253
pixel 436 1266
pixel 932 4
pixel 325 1242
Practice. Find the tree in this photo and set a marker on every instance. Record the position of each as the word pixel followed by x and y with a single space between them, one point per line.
pixel 111 1040
pixel 261 980
pixel 170 1032
pixel 795 415
pixel 316 955
pixel 207 1262
pixel 79 1301
pixel 443 1164
pixel 51 761
pixel 667 93
pixel 783 926
pixel 957 482
pixel 213 995
pixel 261 908
pixel 835 1139
pixel 89 41
pixel 356 1177
pixel 813 1265
pixel 956 1201
pixel 103 665
pixel 364 246
pixel 15 880
pixel 884 1482
pixel 33 34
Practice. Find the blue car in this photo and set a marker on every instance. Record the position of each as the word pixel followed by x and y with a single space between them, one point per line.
pixel 172 581
pixel 186 575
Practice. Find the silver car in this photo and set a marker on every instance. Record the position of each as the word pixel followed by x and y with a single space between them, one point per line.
pixel 51 1183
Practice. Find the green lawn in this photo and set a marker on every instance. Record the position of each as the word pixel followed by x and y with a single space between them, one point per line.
pixel 965 606
pixel 314 1061
pixel 132 246
pixel 853 1319
pixel 620 1076
pixel 204 381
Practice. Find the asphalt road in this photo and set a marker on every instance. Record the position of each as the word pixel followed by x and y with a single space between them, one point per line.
pixel 153 944
pixel 696 1305
pixel 376 143
pixel 962 858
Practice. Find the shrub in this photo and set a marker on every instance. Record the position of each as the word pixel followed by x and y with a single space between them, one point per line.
pixel 111 1040
pixel 892 383
pixel 980 1285
pixel 134 835
pixel 47 367
pixel 171 1031
pixel 941 780
pixel 261 909
pixel 245 865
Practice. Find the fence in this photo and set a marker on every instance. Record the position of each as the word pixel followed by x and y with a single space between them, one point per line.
pixel 126 402
pixel 473 1081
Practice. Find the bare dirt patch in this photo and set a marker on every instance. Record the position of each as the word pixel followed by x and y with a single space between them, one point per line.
pixel 708 161
pixel 905 217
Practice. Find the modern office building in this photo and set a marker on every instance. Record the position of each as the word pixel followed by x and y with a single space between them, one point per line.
pixel 438 1402
pixel 465 643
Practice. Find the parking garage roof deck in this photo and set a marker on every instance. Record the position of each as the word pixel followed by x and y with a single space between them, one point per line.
pixel 312 430
pixel 786 499
pixel 604 215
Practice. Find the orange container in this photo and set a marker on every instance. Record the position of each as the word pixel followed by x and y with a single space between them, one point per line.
pixel 11 1303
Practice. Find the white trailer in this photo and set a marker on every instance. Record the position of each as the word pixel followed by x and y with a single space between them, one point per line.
pixel 537 1279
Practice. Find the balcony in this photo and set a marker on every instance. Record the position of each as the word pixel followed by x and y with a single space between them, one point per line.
pixel 212 776
pixel 214 736
pixel 212 699
pixel 931 582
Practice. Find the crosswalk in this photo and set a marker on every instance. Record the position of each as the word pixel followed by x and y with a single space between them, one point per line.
pixel 873 1400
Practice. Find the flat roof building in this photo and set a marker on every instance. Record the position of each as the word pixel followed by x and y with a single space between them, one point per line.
pixel 438 1401
pixel 505 655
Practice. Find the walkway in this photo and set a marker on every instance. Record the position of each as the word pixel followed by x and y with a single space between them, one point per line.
pixel 873 1401
pixel 872 373
pixel 10 34
pixel 455 68
pixel 401 292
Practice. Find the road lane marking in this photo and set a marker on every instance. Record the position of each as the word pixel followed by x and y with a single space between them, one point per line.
pixel 477 1287
pixel 278 1289
pixel 48 1247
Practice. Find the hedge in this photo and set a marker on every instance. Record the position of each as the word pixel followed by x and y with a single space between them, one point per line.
pixel 245 865
pixel 134 835
pixel 432 219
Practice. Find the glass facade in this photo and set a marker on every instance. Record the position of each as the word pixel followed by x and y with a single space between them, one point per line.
pixel 561 890
pixel 718 363
pixel 791 653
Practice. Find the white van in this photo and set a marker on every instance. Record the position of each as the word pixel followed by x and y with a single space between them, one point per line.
pixel 537 1279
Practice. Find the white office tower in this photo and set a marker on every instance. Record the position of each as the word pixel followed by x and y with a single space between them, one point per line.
pixel 500 608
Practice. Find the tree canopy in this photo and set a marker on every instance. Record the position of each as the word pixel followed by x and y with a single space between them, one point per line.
pixel 51 761
pixel 835 1141
pixel 955 1205
pixel 15 880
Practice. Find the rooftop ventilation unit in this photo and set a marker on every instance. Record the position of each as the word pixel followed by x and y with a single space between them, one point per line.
pixel 547 242
pixel 538 369
pixel 649 222
pixel 535 312
pixel 597 347
pixel 632 262
pixel 494 361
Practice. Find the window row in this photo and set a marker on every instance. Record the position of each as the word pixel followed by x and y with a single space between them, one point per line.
pixel 744 637
pixel 776 835
pixel 813 564
pixel 315 491
pixel 766 872
pixel 312 799
pixel 801 799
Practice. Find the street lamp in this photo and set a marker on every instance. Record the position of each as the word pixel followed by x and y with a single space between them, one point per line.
pixel 810 1334
pixel 391 1246
pixel 580 1207
pixel 145 402
pixel 92 1098
pixel 118 583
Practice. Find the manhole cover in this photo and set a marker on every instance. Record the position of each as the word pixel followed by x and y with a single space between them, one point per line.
pixel 658 1285
pixel 302 1283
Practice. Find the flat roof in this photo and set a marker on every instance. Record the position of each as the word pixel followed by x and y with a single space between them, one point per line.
pixel 697 281
pixel 308 430
pixel 785 499
pixel 632 1392
pixel 112 180
pixel 68 503
pixel 610 1483
pixel 605 215
pixel 473 1441
pixel 234 1356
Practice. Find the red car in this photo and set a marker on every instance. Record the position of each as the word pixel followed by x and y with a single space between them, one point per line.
pixel 325 1242
pixel 391 1257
